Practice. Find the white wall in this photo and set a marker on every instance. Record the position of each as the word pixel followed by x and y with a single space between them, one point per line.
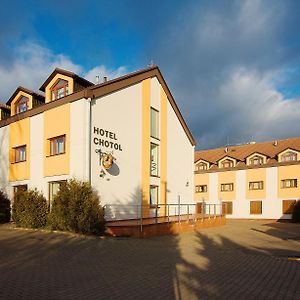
pixel 4 158
pixel 180 162
pixel 119 113
pixel 79 139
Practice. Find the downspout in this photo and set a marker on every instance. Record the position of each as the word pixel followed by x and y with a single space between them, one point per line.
pixel 90 141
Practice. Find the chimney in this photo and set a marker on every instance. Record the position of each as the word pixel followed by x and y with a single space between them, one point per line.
pixel 104 79
pixel 275 143
pixel 226 149
pixel 97 79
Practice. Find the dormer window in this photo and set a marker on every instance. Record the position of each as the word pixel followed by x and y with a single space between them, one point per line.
pixel 22 104
pixel 289 156
pixel 201 166
pixel 60 89
pixel 227 163
pixel 256 160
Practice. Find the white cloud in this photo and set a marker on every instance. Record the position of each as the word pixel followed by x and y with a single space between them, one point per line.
pixel 34 63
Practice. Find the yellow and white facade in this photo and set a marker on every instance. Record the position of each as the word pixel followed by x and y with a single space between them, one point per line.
pixel 256 180
pixel 71 130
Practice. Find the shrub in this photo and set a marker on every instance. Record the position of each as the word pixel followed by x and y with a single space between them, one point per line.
pixel 30 209
pixel 76 207
pixel 296 212
pixel 4 208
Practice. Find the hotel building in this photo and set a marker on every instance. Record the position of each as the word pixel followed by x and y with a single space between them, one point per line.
pixel 256 180
pixel 125 136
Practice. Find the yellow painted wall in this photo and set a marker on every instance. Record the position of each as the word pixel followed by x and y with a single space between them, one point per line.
pixel 49 86
pixel 289 172
pixel 227 177
pixel 163 147
pixel 13 103
pixel 256 175
pixel 146 105
pixel 19 135
pixel 202 179
pixel 56 123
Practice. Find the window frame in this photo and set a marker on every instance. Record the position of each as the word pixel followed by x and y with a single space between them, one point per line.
pixel 53 144
pixel 252 183
pixel 284 181
pixel 201 188
pixel 254 158
pixel 50 188
pixel 227 161
pixel 16 154
pixel 56 87
pixel 201 166
pixel 21 101
pixel 156 134
pixel 227 184
pixel 24 188
pixel 152 172
pixel 289 154
pixel 152 186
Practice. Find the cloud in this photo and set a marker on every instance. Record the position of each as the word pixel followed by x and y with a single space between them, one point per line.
pixel 223 63
pixel 33 63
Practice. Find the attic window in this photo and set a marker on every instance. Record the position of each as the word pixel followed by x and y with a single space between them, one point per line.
pixel 22 104
pixel 227 163
pixel 256 160
pixel 289 156
pixel 59 89
pixel 201 166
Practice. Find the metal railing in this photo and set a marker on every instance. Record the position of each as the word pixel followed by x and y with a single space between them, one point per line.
pixel 162 213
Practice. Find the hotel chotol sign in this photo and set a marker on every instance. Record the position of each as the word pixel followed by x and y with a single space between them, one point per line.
pixel 106 139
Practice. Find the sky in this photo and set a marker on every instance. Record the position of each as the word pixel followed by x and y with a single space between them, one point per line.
pixel 232 66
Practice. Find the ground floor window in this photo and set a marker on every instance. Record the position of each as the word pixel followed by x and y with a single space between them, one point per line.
pixel 255 207
pixel 19 188
pixel 288 206
pixel 153 195
pixel 201 188
pixel 54 187
pixel 227 207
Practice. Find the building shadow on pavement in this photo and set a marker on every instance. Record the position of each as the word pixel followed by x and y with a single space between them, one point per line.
pixel 44 265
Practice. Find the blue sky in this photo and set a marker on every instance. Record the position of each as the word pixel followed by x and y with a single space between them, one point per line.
pixel 233 66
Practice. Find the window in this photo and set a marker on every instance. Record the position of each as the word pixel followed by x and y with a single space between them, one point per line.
pixel 226 187
pixel 22 104
pixel 60 89
pixel 255 207
pixel 256 185
pixel 288 206
pixel 19 188
pixel 201 188
pixel 227 207
pixel 153 195
pixel 154 123
pixel 288 183
pixel 256 160
pixel 289 156
pixel 54 187
pixel 227 163
pixel 201 166
pixel 19 154
pixel 57 145
pixel 154 160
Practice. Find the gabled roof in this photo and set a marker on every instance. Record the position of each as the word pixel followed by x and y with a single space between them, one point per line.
pixel 241 152
pixel 103 89
pixel 225 156
pixel 79 79
pixel 30 92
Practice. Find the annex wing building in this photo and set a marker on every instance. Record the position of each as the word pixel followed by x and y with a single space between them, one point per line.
pixel 125 136
pixel 256 180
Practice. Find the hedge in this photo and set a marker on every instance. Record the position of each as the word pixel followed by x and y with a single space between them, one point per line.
pixel 30 209
pixel 76 207
pixel 4 208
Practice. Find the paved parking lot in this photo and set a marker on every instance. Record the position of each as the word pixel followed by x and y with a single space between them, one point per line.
pixel 242 260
